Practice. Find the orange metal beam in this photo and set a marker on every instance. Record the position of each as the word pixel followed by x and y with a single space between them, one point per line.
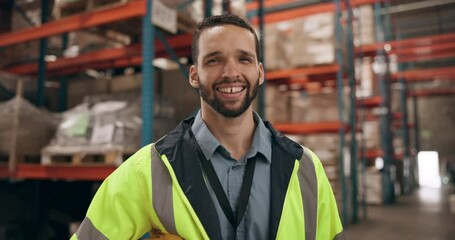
pixel 369 117
pixel 307 10
pixel 445 73
pixel 310 128
pixel 398 125
pixel 115 63
pixel 270 3
pixel 398 45
pixel 370 102
pixel 397 115
pixel 375 153
pixel 106 58
pixel 4 172
pixel 87 173
pixel 424 50
pixel 128 10
pixel 427 57
pixel 372 154
pixel 87 58
pixel 422 41
pixel 373 117
pixel 432 92
pixel 301 73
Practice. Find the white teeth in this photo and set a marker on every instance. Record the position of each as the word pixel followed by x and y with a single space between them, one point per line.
pixel 231 89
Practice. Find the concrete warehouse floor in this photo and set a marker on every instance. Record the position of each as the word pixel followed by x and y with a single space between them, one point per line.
pixel 422 215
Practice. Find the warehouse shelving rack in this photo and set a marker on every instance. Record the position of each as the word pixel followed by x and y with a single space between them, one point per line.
pixel 276 11
pixel 410 50
pixel 133 55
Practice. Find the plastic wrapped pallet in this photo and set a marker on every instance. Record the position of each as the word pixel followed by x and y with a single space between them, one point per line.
pixel 35 130
pixel 108 121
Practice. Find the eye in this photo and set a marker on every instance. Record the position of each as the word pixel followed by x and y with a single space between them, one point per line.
pixel 245 60
pixel 213 60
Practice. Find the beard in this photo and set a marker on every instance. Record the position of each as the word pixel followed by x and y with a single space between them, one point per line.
pixel 221 106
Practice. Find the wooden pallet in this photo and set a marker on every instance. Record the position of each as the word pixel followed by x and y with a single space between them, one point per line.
pixel 88 155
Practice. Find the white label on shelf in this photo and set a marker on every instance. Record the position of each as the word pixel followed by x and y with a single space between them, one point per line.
pixel 164 17
pixel 102 133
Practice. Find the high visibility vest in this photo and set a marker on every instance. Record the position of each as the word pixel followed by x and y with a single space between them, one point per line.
pixel 161 188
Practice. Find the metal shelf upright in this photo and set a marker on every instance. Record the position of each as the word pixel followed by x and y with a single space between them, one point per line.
pixel 407 161
pixel 385 118
pixel 148 75
pixel 259 6
pixel 342 132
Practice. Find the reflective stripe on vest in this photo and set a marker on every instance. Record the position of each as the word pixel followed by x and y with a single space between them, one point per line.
pixel 162 193
pixel 309 192
pixel 169 201
pixel 89 231
pixel 300 209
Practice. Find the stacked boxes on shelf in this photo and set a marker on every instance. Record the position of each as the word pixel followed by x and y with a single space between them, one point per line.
pixel 298 106
pixel 305 41
pixel 363 25
pixel 314 40
pixel 315 107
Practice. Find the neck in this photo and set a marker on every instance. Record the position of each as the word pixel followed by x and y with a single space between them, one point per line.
pixel 235 134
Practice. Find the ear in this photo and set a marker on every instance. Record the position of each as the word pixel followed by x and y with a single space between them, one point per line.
pixel 193 78
pixel 261 73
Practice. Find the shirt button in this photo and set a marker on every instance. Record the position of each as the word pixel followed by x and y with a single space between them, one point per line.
pixel 235 168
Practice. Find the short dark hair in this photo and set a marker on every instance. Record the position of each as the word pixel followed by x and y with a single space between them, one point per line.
pixel 218 20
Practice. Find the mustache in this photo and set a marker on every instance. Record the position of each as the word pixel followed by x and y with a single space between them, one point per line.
pixel 227 81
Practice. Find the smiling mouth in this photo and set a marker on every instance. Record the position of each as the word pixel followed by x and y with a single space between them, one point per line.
pixel 231 89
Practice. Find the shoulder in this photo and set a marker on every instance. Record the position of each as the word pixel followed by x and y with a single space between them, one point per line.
pixel 139 161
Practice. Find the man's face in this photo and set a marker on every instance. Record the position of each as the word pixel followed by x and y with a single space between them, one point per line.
pixel 227 72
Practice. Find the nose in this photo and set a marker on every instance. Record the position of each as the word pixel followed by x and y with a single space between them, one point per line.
pixel 231 70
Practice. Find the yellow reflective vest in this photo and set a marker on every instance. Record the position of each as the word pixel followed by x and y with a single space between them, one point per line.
pixel 161 189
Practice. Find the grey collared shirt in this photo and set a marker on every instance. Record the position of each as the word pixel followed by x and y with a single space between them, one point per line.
pixel 255 223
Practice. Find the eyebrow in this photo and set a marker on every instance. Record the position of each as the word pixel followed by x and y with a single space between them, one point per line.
pixel 249 54
pixel 211 54
pixel 216 53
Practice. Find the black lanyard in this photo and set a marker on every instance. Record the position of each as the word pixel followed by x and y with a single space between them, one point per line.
pixel 221 195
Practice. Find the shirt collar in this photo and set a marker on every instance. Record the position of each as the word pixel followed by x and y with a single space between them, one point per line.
pixel 262 138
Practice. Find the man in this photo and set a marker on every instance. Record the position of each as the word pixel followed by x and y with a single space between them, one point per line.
pixel 224 174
